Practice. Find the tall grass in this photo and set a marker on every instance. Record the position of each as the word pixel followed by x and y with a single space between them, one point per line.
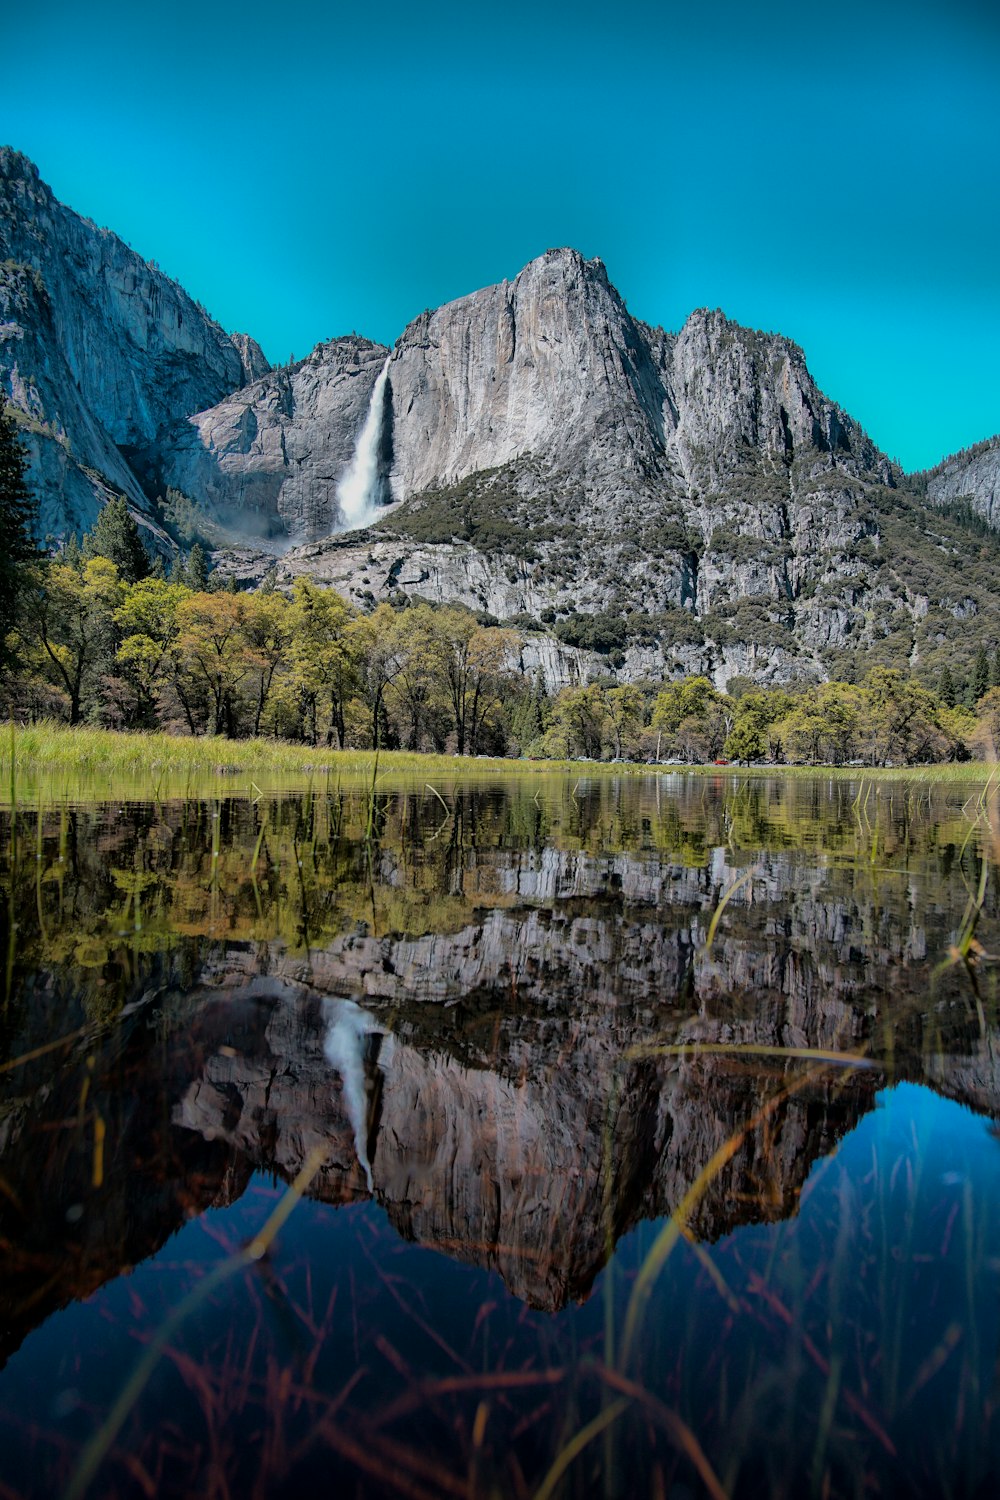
pixel 612 1405
pixel 56 763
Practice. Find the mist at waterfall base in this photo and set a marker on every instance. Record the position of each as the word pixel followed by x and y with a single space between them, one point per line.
pixel 357 492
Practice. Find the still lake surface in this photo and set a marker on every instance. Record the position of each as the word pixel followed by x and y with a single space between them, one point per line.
pixel 643 1139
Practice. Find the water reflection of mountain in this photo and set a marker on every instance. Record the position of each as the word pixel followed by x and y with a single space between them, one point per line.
pixel 495 1082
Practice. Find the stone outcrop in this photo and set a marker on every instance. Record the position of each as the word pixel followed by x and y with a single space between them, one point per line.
pixel 98 348
pixel 973 477
pixel 552 365
pixel 265 462
pixel 74 463
pixel 549 453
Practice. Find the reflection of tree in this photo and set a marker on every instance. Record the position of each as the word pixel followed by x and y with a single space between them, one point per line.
pixel 107 891
pixel 526 1129
pixel 542 1022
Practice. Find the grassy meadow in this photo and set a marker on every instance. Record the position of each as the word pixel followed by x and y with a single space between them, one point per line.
pixel 53 762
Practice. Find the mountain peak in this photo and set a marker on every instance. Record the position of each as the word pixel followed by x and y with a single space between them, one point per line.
pixel 14 164
pixel 549 452
pixel 574 258
pixel 101 349
pixel 567 262
pixel 713 324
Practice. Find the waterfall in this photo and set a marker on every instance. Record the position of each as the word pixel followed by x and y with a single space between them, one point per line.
pixel 344 1048
pixel 356 492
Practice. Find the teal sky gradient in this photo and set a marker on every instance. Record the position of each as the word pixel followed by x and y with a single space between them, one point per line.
pixel 832 173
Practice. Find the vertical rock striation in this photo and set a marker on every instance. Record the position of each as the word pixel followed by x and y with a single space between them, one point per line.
pixel 546 454
pixel 972 477
pixel 98 349
pixel 265 463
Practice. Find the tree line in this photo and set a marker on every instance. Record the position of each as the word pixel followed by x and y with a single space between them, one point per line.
pixel 156 653
pixel 98 633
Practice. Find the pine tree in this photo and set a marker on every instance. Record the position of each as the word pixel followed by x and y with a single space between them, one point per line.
pixel 116 537
pixel 946 691
pixel 980 674
pixel 995 669
pixel 18 515
pixel 196 572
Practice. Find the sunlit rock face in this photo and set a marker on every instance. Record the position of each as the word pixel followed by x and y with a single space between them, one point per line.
pixel 701 467
pixel 553 365
pixel 549 364
pixel 972 478
pixel 588 415
pixel 98 348
pixel 536 451
pixel 266 462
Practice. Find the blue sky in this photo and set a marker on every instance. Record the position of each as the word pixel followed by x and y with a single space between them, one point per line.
pixel 304 170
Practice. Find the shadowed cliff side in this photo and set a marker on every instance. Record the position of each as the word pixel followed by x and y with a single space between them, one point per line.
pixel 98 349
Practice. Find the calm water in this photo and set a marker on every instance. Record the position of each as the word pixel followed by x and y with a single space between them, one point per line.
pixel 644 1139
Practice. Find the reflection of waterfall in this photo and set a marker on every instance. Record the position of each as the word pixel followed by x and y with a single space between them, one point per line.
pixel 344 1049
pixel 357 491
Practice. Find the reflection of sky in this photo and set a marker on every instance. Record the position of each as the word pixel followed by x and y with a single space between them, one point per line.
pixel 941 1125
pixel 950 1148
pixel 879 1252
pixel 832 175
pixel 954 1147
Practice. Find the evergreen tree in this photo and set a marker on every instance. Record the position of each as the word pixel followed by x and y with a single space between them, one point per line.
pixel 980 674
pixel 196 572
pixel 995 669
pixel 946 691
pixel 116 537
pixel 18 513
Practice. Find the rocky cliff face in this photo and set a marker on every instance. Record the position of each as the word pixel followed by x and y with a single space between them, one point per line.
pixel 266 461
pixel 550 454
pixel 98 349
pixel 546 453
pixel 74 463
pixel 549 365
pixel 972 477
pixel 552 365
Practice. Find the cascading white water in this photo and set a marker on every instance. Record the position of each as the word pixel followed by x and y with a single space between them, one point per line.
pixel 356 492
pixel 344 1048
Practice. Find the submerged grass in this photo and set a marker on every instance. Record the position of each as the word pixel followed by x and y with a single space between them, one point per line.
pixel 388 1464
pixel 102 1440
pixel 55 762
